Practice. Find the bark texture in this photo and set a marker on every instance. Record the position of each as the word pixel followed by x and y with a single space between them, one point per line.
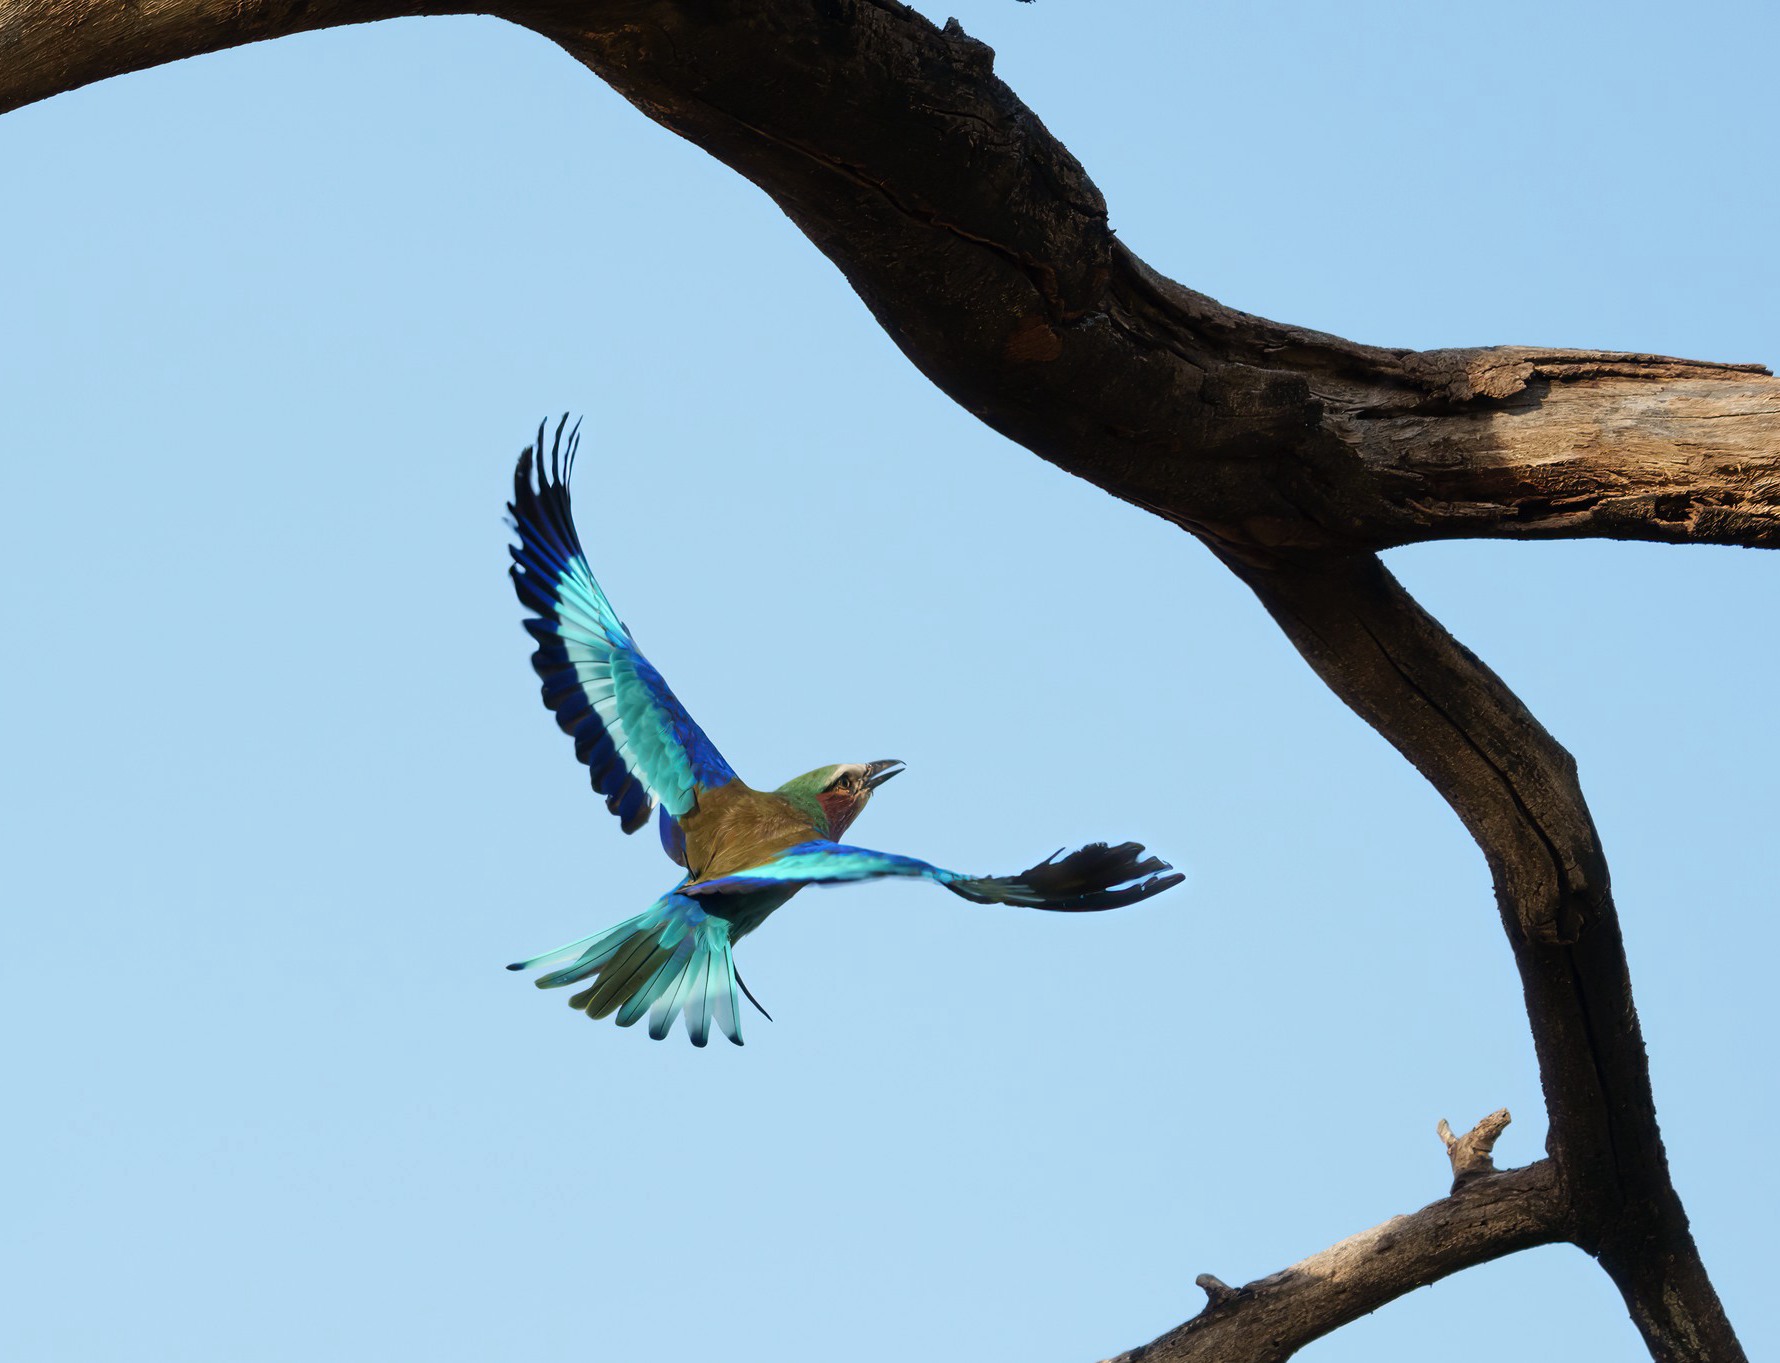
pixel 1272 1318
pixel 982 248
pixel 1471 1154
pixel 48 47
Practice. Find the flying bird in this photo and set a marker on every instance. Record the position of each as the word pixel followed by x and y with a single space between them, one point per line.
pixel 745 852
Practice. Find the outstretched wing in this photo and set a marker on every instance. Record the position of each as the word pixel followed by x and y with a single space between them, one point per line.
pixel 639 744
pixel 1089 878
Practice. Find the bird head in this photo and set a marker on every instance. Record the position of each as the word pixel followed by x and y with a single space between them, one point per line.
pixel 836 794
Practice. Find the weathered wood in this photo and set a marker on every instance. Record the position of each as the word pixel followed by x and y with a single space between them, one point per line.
pixel 982 248
pixel 48 47
pixel 1471 1154
pixel 1269 1320
pixel 1516 790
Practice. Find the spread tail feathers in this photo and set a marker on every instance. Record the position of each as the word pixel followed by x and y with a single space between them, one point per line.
pixel 675 957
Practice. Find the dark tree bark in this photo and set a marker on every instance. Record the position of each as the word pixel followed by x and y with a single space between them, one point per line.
pixel 1488 1215
pixel 982 248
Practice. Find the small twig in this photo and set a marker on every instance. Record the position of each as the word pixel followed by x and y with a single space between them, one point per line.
pixel 1217 1291
pixel 1470 1153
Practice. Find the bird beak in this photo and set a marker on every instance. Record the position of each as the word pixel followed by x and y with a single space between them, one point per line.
pixel 876 773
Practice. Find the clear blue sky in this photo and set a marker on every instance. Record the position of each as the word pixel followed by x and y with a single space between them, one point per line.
pixel 279 797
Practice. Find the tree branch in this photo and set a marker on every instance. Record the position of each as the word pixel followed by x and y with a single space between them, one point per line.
pixel 983 249
pixel 1269 1320
pixel 48 47
pixel 1516 790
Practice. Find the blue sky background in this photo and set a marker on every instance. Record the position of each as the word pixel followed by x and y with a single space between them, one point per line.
pixel 279 797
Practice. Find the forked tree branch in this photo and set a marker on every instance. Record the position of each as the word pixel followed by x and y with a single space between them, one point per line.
pixel 1516 790
pixel 1472 1153
pixel 983 249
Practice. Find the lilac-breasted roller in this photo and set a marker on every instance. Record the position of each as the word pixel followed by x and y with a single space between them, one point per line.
pixel 745 851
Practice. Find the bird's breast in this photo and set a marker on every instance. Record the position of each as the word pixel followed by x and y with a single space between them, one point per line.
pixel 735 827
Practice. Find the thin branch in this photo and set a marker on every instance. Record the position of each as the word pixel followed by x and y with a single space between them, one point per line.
pixel 1269 1320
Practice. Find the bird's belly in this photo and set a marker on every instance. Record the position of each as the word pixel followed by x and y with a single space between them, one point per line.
pixel 747 911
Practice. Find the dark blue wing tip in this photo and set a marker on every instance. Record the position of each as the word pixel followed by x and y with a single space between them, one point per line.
pixel 517 965
pixel 562 455
pixel 1095 877
pixel 532 461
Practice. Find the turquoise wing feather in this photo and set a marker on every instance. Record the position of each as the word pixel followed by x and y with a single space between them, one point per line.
pixel 1089 879
pixel 640 746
